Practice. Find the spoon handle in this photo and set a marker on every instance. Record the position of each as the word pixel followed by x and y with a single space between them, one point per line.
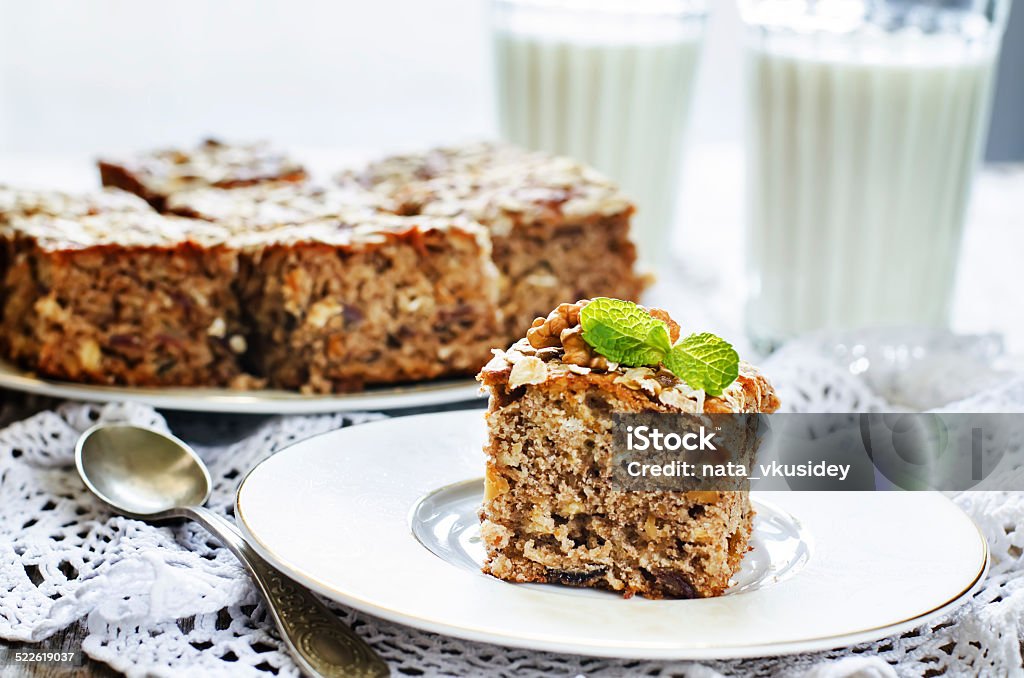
pixel 320 643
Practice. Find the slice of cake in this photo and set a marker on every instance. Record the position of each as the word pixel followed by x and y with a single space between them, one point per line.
pixel 156 175
pixel 122 297
pixel 341 303
pixel 342 293
pixel 19 203
pixel 550 219
pixel 551 510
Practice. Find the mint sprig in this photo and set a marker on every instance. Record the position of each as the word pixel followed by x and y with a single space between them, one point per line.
pixel 625 333
pixel 704 359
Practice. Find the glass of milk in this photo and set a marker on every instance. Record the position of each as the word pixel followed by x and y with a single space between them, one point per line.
pixel 607 82
pixel 866 121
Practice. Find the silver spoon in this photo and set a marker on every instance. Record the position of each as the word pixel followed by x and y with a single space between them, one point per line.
pixel 152 476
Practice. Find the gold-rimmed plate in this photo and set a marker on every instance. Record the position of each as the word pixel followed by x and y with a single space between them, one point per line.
pixel 261 401
pixel 381 517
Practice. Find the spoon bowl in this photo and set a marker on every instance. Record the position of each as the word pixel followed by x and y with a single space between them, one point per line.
pixel 141 472
pixel 150 475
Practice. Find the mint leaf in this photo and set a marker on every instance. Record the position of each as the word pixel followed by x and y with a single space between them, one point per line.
pixel 704 361
pixel 624 333
pixel 627 334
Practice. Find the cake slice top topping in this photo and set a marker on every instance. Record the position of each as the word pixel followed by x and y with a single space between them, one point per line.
pixel 493 183
pixel 212 163
pixel 606 331
pixel 264 206
pixel 626 344
pixel 120 229
pixel 16 203
pixel 358 229
pixel 633 336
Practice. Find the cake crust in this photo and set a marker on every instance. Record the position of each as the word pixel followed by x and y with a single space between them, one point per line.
pixel 156 175
pixel 273 205
pixel 20 203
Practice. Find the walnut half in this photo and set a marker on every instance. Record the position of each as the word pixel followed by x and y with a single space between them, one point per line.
pixel 547 332
pixel 561 329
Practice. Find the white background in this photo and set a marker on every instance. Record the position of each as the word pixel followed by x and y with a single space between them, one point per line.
pixel 117 74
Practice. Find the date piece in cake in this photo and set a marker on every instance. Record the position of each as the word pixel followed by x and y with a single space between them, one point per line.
pixel 382 299
pixel 130 298
pixel 560 230
pixel 156 175
pixel 551 512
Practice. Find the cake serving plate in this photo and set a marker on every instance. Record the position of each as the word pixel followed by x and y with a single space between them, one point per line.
pixel 263 401
pixel 382 517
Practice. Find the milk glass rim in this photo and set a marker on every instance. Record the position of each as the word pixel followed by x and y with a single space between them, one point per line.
pixel 646 8
pixel 840 17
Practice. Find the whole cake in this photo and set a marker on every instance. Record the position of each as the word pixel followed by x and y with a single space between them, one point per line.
pixel 551 512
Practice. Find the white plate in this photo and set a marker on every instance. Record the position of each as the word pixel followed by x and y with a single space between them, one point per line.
pixel 380 517
pixel 263 401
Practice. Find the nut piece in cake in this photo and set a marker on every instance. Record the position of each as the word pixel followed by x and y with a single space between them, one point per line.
pixel 128 297
pixel 339 304
pixel 551 511
pixel 559 229
pixel 155 175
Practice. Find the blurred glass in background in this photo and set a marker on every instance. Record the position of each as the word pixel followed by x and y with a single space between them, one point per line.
pixel 608 82
pixel 866 125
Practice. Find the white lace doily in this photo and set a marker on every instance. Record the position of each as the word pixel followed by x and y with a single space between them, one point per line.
pixel 170 601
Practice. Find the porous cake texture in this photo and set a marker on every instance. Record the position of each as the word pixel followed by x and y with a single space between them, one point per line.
pixel 338 305
pixel 551 513
pixel 342 292
pixel 550 218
